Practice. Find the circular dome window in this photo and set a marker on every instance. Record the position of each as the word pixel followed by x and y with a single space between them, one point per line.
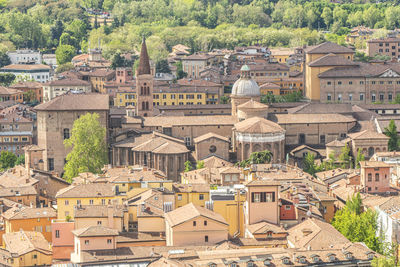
pixel 213 149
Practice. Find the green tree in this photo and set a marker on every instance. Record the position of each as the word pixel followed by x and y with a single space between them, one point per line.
pixel 6 79
pixel 4 59
pixel 309 165
pixel 360 157
pixel 7 160
pixel 188 166
pixel 224 99
pixel 179 71
pixel 162 66
pixel 20 160
pixel 327 16
pixel 64 54
pixel 391 132
pixel 65 67
pixel 29 96
pixel 383 261
pixel 344 157
pixel 89 148
pixel 256 158
pixel 200 164
pixel 358 226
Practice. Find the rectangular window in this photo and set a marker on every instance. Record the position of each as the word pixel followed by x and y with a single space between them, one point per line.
pixel 66 202
pixel 329 83
pixel 322 139
pixel 390 97
pixel 179 196
pixel 376 177
pixel 57 233
pixel 339 83
pixel 201 197
pixel 263 197
pixel 194 223
pixel 91 201
pixel 361 97
pixel 339 97
pixel 369 177
pixel 329 97
pixel 51 164
pixel 98 222
pixel 103 202
pixel 350 97
pixel 109 241
pixel 205 223
pixel 66 133
pixel 86 242
pixel 206 238
pixel 78 202
pixel 381 97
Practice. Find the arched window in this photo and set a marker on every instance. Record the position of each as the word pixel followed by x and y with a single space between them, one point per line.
pixel 371 151
pixel 141 90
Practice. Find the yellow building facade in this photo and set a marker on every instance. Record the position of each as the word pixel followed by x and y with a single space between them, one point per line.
pixel 312 82
pixel 232 211
pixel 65 206
pixel 128 98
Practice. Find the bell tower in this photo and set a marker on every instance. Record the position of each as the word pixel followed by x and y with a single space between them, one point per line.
pixel 144 84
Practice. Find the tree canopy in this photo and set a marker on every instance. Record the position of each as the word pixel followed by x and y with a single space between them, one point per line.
pixel 358 225
pixel 391 132
pixel 89 148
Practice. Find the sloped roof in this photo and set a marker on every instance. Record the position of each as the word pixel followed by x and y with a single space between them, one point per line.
pixel 144 61
pixel 190 211
pixel 367 135
pixel 258 125
pixel 95 231
pixel 329 47
pixel 332 60
pixel 23 242
pixel 162 144
pixel 69 101
pixel 251 104
pixel 336 143
pixel 87 190
pixel 264 227
pixel 208 136
pixel 98 211
pixel 316 234
pixel 16 213
pixel 312 118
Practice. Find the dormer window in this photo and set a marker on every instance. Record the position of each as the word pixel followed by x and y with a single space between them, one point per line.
pixel 315 258
pixel 332 257
pixel 301 259
pixel 212 264
pixel 370 256
pixel 250 264
pixel 349 255
pixel 267 262
pixel 285 260
pixel 233 264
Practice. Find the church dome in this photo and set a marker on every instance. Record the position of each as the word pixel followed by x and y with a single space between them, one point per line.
pixel 245 86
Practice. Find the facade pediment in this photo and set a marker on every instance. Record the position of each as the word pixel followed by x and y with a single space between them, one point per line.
pixel 389 73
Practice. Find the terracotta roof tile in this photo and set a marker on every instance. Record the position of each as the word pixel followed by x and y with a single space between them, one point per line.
pixel 328 47
pixel 190 211
pixel 208 136
pixel 258 125
pixel 16 213
pixel 92 231
pixel 23 242
pixel 87 190
pixel 89 101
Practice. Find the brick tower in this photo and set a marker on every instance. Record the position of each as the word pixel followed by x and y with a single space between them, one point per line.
pixel 144 84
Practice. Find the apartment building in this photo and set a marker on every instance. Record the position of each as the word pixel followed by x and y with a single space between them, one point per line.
pixel 384 47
